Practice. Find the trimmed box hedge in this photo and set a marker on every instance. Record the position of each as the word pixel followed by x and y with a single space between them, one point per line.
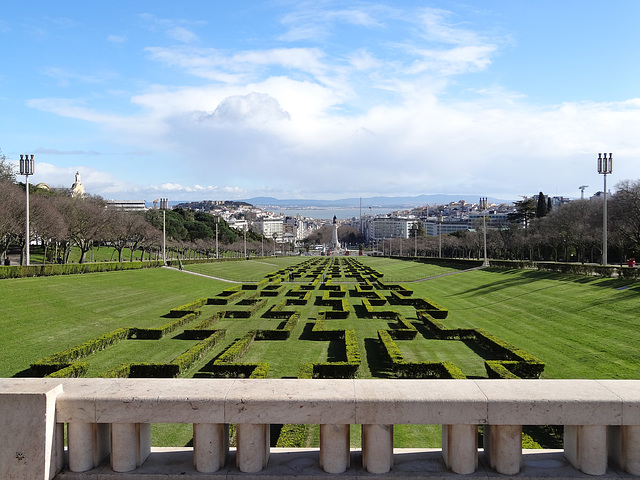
pixel 403 369
pixel 63 359
pixel 161 331
pixel 21 271
pixel 186 359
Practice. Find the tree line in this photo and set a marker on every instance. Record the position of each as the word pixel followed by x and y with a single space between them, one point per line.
pixel 59 222
pixel 536 231
pixel 570 232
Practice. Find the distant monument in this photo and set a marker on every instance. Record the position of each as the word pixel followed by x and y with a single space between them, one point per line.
pixel 77 189
pixel 335 244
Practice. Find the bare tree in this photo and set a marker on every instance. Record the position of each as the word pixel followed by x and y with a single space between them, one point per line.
pixel 48 224
pixel 625 214
pixel 7 170
pixel 87 222
pixel 576 227
pixel 12 216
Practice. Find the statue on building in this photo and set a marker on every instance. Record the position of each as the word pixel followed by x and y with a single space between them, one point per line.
pixel 77 189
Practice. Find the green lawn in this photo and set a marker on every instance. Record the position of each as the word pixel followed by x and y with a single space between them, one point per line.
pixel 41 316
pixel 581 327
pixel 244 270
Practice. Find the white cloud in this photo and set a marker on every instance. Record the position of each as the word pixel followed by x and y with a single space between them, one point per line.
pixel 316 21
pixel 454 61
pixel 175 29
pixel 117 39
pixel 182 34
pixel 254 108
pixel 362 59
pixel 434 26
pixel 65 78
pixel 301 121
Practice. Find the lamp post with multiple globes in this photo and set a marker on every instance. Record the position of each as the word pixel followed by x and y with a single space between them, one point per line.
pixel 27 168
pixel 605 167
pixel 164 204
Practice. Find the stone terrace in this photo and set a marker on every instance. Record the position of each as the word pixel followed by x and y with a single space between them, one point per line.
pixel 108 423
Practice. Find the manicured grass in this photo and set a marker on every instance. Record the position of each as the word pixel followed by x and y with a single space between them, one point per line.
pixel 405 270
pixel 244 270
pixel 581 327
pixel 41 316
pixel 147 351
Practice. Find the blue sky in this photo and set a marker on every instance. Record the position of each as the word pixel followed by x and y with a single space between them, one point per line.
pixel 221 100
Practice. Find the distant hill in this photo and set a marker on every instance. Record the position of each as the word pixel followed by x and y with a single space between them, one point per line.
pixel 208 205
pixel 392 202
pixel 384 202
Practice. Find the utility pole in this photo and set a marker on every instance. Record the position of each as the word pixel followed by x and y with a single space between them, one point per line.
pixel 483 207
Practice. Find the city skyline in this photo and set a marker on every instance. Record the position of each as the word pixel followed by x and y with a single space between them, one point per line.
pixel 321 100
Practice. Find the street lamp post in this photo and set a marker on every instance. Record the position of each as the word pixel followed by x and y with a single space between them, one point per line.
pixel 605 167
pixel 27 168
pixel 440 235
pixel 275 236
pixel 245 239
pixel 217 222
pixel 164 204
pixel 483 207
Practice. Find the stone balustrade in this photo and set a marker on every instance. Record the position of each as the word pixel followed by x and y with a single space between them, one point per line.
pixel 111 418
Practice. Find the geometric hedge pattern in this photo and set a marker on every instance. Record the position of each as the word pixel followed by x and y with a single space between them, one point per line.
pixel 340 288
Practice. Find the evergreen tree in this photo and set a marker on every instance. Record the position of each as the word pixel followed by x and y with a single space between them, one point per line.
pixel 525 211
pixel 541 209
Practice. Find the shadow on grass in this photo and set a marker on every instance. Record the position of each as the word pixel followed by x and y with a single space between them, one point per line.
pixel 483 353
pixel 360 311
pixel 336 351
pixel 307 333
pixel 515 278
pixel 424 331
pixel 379 366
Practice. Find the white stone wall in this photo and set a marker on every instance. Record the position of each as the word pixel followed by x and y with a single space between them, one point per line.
pixel 110 419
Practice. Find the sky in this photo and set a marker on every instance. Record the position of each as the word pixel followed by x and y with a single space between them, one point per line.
pixel 213 100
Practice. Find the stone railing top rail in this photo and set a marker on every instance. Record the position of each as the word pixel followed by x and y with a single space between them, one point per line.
pixel 481 402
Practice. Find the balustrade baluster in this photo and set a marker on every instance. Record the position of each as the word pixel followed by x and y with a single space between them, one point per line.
pixel 377 448
pixel 334 448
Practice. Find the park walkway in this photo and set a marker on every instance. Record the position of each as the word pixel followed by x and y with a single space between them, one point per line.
pixel 203 275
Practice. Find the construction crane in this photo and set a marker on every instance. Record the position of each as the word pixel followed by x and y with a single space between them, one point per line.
pixel 582 187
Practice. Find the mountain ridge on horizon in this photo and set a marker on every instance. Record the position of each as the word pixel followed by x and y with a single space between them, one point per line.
pixel 378 201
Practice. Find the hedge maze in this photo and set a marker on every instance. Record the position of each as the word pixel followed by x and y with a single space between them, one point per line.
pixel 336 308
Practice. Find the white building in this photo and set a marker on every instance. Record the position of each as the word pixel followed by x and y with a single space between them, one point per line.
pixel 238 224
pixel 268 227
pixel 391 227
pixel 434 228
pixel 128 205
